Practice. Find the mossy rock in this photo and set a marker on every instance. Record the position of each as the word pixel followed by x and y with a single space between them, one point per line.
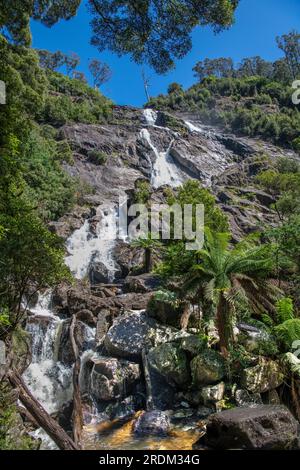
pixel 266 375
pixel 208 368
pixel 170 361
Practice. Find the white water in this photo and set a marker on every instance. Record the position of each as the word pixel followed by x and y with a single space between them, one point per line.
pixel 164 170
pixel 194 128
pixel 150 116
pixel 48 379
pixel 42 307
pixel 83 246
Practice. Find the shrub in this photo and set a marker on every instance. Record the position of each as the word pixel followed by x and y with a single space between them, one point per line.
pixel 142 192
pixel 288 332
pixel 98 157
pixel 284 309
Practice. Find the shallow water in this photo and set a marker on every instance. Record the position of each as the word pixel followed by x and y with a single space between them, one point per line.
pixel 119 435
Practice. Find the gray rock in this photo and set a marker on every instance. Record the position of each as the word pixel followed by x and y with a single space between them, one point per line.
pixel 207 368
pixel 193 345
pixel 265 376
pixel 152 423
pixel 113 378
pixel 170 361
pixel 142 283
pixel 264 427
pixel 98 273
pixel 212 394
pixel 87 317
pixel 134 332
pixel 245 398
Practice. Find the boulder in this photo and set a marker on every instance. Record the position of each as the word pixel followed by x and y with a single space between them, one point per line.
pixel 164 311
pixel 170 361
pixel 98 273
pixel 134 332
pixel 207 368
pixel 255 340
pixel 265 427
pixel 152 423
pixel 87 317
pixel 212 393
pixel 140 284
pixel 265 376
pixel 244 398
pixel 113 378
pixel 193 345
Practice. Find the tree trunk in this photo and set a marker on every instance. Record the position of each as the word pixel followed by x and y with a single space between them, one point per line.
pixel 185 317
pixel 223 325
pixel 148 260
pixel 40 415
pixel 77 417
pixel 149 399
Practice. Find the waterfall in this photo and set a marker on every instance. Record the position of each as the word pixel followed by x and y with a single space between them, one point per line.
pixel 164 170
pixel 49 380
pixel 82 246
pixel 193 128
pixel 150 116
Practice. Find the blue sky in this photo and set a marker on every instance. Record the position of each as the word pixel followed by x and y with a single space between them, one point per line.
pixel 258 22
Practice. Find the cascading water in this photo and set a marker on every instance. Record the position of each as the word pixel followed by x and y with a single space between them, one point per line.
pixel 83 246
pixel 48 379
pixel 164 170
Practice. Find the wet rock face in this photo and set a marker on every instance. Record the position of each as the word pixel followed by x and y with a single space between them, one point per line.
pixel 171 362
pixel 207 368
pixel 98 273
pixel 264 427
pixel 152 423
pixel 265 376
pixel 113 379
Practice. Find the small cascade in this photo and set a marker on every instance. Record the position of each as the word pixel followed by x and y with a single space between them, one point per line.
pixel 42 307
pixel 83 246
pixel 193 128
pixel 48 379
pixel 150 116
pixel 164 170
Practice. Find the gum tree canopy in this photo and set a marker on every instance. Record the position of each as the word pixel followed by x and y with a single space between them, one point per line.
pixel 153 31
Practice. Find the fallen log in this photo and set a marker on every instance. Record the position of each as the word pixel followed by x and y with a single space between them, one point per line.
pixel 77 417
pixel 40 415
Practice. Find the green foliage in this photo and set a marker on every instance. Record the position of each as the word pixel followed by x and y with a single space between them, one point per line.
pixel 255 106
pixel 142 192
pixel 284 309
pixel 73 100
pixel 98 157
pixel 121 27
pixel 296 144
pixel 193 193
pixel 30 255
pixel 288 332
pixel 222 275
pixel 49 187
pixel 11 435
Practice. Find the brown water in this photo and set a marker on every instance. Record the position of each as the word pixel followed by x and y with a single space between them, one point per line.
pixel 118 435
